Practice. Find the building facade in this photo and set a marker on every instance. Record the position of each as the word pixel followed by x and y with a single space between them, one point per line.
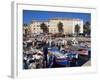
pixel 52 24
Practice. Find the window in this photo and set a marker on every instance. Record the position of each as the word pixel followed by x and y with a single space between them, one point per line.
pixel 33 28
pixel 38 25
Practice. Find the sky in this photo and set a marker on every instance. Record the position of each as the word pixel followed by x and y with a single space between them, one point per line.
pixel 29 15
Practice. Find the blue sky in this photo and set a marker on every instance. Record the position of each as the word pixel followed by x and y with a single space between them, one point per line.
pixel 29 15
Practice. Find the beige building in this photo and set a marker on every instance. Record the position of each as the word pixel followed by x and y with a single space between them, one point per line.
pixel 52 24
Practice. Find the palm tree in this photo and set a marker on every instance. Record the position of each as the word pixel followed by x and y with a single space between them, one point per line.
pixel 60 27
pixel 44 27
pixel 86 28
pixel 77 29
pixel 25 28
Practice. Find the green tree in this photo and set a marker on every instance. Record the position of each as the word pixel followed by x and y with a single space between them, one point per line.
pixel 60 27
pixel 86 28
pixel 44 27
pixel 77 29
pixel 25 28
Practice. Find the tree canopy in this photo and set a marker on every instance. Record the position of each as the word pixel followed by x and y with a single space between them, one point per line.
pixel 44 27
pixel 77 29
pixel 60 27
pixel 86 28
